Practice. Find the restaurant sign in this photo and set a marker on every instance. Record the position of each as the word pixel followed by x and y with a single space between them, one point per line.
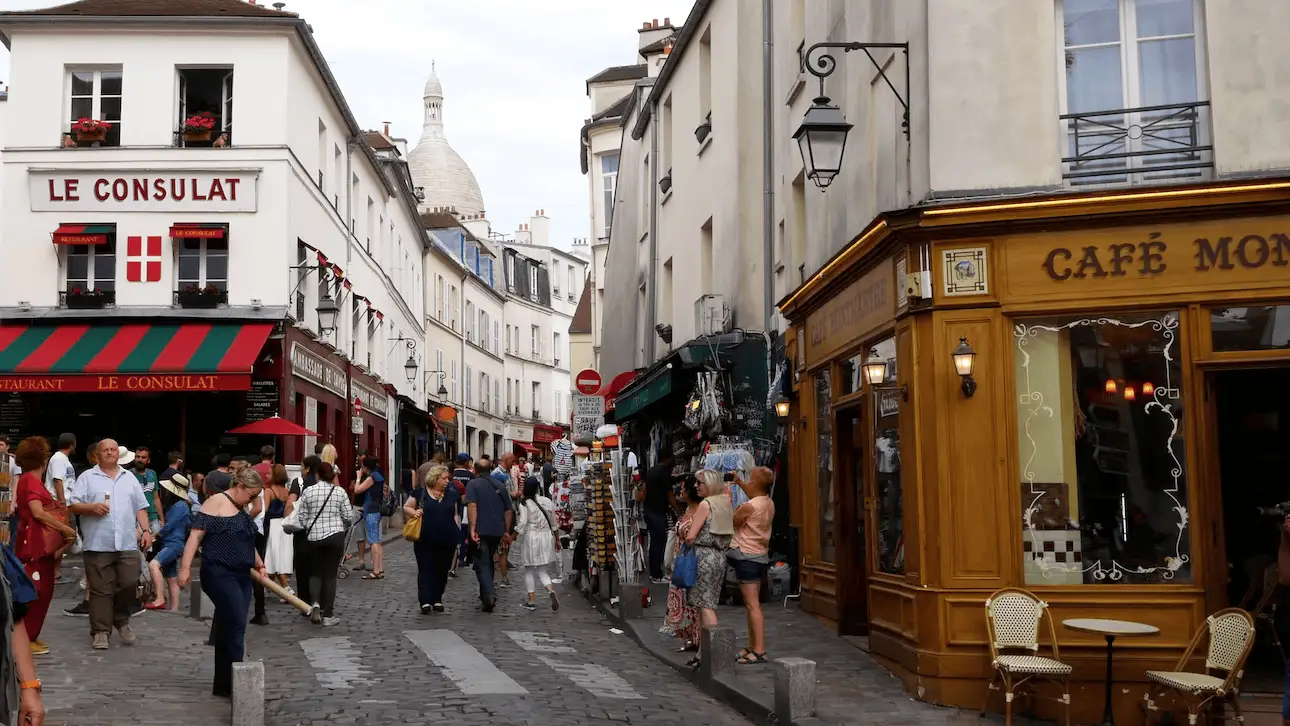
pixel 310 366
pixel 858 311
pixel 141 383
pixel 373 402
pixel 142 190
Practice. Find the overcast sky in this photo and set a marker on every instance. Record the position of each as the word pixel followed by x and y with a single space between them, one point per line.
pixel 513 74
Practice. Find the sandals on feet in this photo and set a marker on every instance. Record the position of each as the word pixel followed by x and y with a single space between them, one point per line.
pixel 374 576
pixel 749 657
pixel 688 647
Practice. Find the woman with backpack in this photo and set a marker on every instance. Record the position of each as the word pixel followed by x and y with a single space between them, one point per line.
pixel 371 484
pixel 536 529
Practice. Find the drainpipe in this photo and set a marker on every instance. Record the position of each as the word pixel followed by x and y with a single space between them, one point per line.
pixel 768 163
pixel 349 260
pixel 651 292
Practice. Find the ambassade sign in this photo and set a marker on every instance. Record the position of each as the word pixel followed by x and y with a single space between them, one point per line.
pixel 143 190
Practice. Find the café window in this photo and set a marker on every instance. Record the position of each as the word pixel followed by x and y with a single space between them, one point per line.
pixel 1099 426
pixel 202 263
pixel 1265 327
pixel 96 94
pixel 92 267
pixel 824 466
pixel 889 515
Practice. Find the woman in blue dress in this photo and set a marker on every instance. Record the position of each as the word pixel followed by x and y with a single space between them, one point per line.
pixel 226 534
pixel 174 500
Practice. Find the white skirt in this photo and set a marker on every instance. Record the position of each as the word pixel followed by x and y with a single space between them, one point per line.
pixel 537 548
pixel 280 551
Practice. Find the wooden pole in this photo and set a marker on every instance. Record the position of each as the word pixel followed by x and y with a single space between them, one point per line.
pixel 282 592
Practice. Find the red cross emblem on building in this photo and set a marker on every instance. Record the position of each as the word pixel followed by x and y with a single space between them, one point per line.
pixel 143 265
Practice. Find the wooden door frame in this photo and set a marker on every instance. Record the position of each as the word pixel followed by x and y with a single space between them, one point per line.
pixel 852 517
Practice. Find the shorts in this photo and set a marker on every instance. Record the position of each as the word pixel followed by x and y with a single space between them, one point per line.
pixel 373 522
pixel 747 571
pixel 154 526
pixel 168 560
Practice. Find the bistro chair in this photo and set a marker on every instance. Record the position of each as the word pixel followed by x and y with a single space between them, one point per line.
pixel 1012 620
pixel 1231 637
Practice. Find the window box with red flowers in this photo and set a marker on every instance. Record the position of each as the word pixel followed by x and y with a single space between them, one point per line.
pixel 80 298
pixel 207 297
pixel 90 130
pixel 199 127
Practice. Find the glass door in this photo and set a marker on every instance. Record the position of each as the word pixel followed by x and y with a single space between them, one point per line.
pixel 854 500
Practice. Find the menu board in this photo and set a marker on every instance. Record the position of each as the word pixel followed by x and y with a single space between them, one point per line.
pixel 13 416
pixel 262 400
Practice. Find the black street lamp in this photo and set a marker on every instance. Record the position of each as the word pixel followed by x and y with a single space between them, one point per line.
pixel 822 136
pixel 328 310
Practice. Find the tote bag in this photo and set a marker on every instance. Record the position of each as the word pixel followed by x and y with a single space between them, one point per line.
pixel 685 568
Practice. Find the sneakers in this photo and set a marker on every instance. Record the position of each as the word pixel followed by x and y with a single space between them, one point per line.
pixel 528 605
pixel 330 622
pixel 127 635
pixel 659 581
pixel 504 582
pixel 438 607
pixel 555 601
pixel 425 609
pixel 315 615
pixel 39 648
pixel 452 573
pixel 100 641
pixel 79 610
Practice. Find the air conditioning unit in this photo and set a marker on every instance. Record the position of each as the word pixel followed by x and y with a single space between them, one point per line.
pixel 711 315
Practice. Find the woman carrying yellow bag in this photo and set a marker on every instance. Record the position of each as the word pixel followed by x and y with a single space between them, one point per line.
pixel 434 526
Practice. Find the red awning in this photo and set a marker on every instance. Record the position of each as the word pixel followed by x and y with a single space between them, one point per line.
pixel 619 382
pixel 82 234
pixel 527 447
pixel 197 231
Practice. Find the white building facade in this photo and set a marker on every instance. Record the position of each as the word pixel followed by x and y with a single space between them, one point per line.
pixel 166 245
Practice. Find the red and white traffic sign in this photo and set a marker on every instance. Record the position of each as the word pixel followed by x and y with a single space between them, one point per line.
pixel 588 382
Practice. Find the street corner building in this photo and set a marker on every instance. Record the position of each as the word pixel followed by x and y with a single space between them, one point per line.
pixel 196 247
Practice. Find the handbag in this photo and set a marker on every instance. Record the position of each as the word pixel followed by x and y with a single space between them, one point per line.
pixel 297 528
pixel 669 554
pixel 412 527
pixel 685 568
pixel 291 522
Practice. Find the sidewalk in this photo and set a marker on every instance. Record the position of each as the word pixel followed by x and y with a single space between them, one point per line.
pixel 851 688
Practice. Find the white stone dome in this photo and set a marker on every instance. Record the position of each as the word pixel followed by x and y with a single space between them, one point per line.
pixel 436 168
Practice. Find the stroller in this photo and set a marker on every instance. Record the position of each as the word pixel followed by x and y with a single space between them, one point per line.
pixel 357 525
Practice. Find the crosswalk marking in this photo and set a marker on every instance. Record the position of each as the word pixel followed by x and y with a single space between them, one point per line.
pixel 336 661
pixel 596 680
pixel 474 674
pixel 538 642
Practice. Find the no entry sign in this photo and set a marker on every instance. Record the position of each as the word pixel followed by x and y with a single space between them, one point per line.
pixel 587 382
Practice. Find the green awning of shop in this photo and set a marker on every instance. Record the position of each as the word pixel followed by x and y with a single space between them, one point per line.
pixel 643 394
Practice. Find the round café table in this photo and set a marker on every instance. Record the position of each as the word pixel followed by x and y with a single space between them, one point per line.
pixel 1110 629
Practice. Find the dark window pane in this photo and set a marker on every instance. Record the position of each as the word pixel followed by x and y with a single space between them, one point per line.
pixel 824 466
pixel 82 108
pixel 217 245
pixel 105 285
pixel 83 83
pixel 111 109
pixel 111 83
pixel 104 267
pixel 1103 480
pixel 190 269
pixel 189 246
pixel 1258 328
pixel 890 511
pixel 217 267
pixel 77 267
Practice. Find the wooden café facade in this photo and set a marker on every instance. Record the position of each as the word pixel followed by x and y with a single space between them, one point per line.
pixel 1085 395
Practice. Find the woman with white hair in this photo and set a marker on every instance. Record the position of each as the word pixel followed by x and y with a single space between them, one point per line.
pixel 711 528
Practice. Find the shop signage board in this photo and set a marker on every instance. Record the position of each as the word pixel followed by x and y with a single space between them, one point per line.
pixel 373 402
pixel 1235 254
pixel 546 434
pixel 515 432
pixel 859 310
pixel 262 401
pixel 585 427
pixel 588 382
pixel 356 425
pixel 588 405
pixel 310 366
pixel 147 382
pixel 143 190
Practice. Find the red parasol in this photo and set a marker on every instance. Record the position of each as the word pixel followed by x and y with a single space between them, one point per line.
pixel 273 426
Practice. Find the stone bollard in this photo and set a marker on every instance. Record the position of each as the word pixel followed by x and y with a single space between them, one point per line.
pixel 629 602
pixel 717 650
pixel 794 689
pixel 248 693
pixel 199 606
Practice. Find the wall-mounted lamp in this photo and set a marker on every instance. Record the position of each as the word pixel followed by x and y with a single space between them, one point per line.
pixel 964 360
pixel 1130 394
pixel 1148 389
pixel 664 332
pixel 328 310
pixel 875 368
pixel 1111 386
pixel 782 405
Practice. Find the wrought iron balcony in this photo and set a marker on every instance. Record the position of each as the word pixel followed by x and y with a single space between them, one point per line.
pixel 1138 145
pixel 82 299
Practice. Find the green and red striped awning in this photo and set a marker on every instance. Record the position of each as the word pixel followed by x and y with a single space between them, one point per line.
pixel 82 234
pixel 133 357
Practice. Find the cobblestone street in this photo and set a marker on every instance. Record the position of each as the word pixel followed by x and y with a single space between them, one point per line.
pixel 384 664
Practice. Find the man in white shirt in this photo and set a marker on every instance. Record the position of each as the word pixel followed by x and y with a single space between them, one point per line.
pixel 114 524
pixel 60 475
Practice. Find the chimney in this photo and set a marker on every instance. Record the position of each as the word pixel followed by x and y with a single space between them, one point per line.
pixel 540 226
pixel 387 128
pixel 644 25
pixel 652 33
pixel 654 23
pixel 667 22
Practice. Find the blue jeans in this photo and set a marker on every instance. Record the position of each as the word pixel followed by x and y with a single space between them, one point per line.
pixel 230 591
pixel 656 523
pixel 484 566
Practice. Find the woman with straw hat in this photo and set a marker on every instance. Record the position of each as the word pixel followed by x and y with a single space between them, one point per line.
pixel 173 493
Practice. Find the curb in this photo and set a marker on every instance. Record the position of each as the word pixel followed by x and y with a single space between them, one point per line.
pixel 731 690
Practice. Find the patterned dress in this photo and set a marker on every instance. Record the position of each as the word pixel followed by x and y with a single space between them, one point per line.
pixel 682 619
pixel 711 549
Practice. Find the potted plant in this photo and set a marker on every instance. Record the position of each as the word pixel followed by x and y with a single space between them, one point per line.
pixel 90 130
pixel 704 128
pixel 79 298
pixel 199 126
pixel 193 296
